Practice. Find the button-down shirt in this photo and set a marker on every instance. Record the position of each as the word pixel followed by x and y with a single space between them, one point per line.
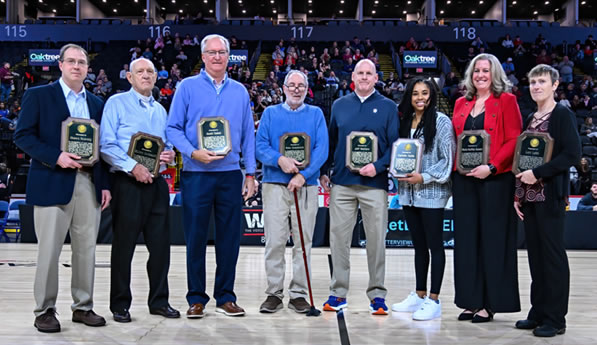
pixel 363 99
pixel 76 101
pixel 217 85
pixel 124 115
pixel 287 107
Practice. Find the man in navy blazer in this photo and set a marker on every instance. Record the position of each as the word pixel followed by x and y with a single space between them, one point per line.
pixel 66 196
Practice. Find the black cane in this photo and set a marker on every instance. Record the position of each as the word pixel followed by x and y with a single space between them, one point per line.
pixel 313 311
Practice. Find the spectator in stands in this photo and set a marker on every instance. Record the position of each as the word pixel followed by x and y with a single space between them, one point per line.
pixel 90 75
pixel 246 79
pixel 508 66
pixel 366 187
pixel 3 110
pixel 512 78
pixel 517 41
pixel 177 43
pixel 319 83
pixel 346 46
pixel 412 44
pixel 588 128
pixel 348 67
pixel 356 44
pixel 166 91
pixel 566 69
pixel 188 41
pixel 424 194
pixel 450 84
pixel 140 199
pixel 325 56
pixel 159 43
pixel 571 91
pixel 100 89
pixel 65 198
pixel 485 271
pixel 336 56
pixel 347 54
pixel 281 178
pixel 368 45
pixel 507 42
pixel 540 201
pixel 589 201
pixel 588 50
pixel 478 43
pixel 332 80
pixel 543 58
pixel 277 51
pixel 123 71
pixel 137 53
pixel 6 81
pixel 357 55
pixel 577 54
pixel 290 62
pixel 162 74
pixel 563 100
pixel 343 89
pixel 542 43
pixel 516 92
pixel 181 57
pixel 519 50
pixel 576 103
pixel 585 172
pixel 208 177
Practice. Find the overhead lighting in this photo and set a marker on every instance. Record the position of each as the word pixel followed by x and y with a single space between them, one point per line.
pixel 144 10
pixel 179 11
pixel 376 1
pixel 244 11
pixel 373 12
pixel 310 1
pixel 103 0
pixel 173 1
pixel 403 12
pixel 114 10
pixel 473 12
pixel 448 2
pixel 557 9
pixel 547 2
pixel 205 1
pixel 584 2
pixel 341 1
pixel 275 11
pixel 240 1
pixel 409 2
pixel 54 10
pixel 480 2
pixel 310 11
pixel 535 12
pixel 441 12
pixel 41 1
pixel 341 11
pixel 70 1
pixel 513 2
pixel 211 11
pixel 271 1
pixel 163 8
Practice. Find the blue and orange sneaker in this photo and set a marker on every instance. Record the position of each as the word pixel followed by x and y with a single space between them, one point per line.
pixel 378 306
pixel 335 303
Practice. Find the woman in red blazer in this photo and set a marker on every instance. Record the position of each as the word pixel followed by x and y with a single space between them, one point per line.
pixel 485 228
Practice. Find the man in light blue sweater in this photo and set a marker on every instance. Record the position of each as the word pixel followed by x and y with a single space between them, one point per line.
pixel 211 181
pixel 281 177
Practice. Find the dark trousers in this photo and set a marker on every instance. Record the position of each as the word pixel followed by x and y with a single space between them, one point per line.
pixel 550 274
pixel 139 208
pixel 202 192
pixel 485 261
pixel 426 227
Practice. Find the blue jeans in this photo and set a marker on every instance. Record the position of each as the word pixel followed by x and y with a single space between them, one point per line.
pixel 6 88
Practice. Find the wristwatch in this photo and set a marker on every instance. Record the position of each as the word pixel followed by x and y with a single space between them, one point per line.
pixel 492 168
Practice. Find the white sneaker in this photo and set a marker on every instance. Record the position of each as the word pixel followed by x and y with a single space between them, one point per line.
pixel 410 304
pixel 429 310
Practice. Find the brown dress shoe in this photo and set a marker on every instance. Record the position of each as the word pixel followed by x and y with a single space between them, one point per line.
pixel 230 309
pixel 47 322
pixel 195 311
pixel 300 305
pixel 89 318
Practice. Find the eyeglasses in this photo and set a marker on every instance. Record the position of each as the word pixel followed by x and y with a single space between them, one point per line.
pixel 213 53
pixel 74 62
pixel 300 87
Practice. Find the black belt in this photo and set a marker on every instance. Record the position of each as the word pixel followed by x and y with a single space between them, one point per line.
pixel 87 170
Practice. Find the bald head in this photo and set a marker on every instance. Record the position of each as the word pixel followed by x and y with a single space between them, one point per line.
pixel 364 77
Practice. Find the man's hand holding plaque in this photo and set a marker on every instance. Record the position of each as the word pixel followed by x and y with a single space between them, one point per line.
pixel 79 143
pixel 213 134
pixel 146 149
pixel 361 150
pixel 296 146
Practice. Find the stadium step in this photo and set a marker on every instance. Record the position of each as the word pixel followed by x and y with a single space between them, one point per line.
pixel 264 65
pixel 386 65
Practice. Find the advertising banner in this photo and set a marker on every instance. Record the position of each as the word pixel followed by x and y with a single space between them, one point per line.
pixel 43 57
pixel 420 59
pixel 237 56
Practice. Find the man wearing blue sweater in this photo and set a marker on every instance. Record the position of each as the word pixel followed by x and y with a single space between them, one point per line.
pixel 211 181
pixel 368 111
pixel 281 177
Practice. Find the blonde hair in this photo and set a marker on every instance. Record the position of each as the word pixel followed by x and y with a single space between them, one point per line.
pixel 499 81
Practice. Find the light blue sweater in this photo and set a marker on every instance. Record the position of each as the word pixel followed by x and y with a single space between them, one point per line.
pixel 278 120
pixel 197 97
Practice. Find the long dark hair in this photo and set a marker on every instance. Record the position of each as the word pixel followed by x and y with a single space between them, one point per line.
pixel 429 116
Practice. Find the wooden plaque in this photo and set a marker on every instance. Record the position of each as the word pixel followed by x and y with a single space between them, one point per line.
pixel 296 146
pixel 472 150
pixel 361 149
pixel 214 135
pixel 407 157
pixel 146 149
pixel 532 150
pixel 81 137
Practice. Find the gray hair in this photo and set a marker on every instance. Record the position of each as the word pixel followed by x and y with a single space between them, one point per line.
pixel 209 37
pixel 499 80
pixel 293 72
pixel 542 69
pixel 74 46
pixel 134 62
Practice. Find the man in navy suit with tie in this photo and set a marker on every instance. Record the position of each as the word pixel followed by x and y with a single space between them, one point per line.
pixel 67 198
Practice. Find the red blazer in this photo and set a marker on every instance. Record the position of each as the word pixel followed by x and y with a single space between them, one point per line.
pixel 503 123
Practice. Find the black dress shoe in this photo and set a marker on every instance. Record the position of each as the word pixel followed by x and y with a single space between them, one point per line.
pixel 122 316
pixel 47 322
pixel 526 324
pixel 464 316
pixel 548 331
pixel 480 319
pixel 166 311
pixel 89 318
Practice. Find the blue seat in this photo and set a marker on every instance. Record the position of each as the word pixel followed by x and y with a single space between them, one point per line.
pixel 3 215
pixel 13 220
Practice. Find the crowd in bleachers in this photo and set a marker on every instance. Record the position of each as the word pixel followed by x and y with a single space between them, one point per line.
pixel 329 66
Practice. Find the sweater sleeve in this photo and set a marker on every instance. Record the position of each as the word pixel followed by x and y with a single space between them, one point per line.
pixel 392 126
pixel 333 141
pixel 446 145
pixel 567 138
pixel 248 137
pixel 319 154
pixel 264 151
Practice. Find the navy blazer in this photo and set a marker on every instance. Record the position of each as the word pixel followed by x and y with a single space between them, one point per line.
pixel 38 133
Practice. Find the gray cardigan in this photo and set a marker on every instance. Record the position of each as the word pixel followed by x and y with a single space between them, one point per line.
pixel 436 168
